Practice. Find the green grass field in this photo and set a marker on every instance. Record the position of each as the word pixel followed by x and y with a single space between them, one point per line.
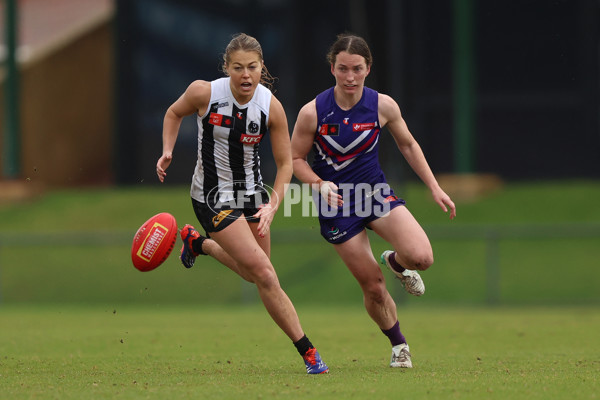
pixel 78 321
pixel 73 246
pixel 74 352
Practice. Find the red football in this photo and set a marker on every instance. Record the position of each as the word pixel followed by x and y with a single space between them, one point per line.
pixel 154 241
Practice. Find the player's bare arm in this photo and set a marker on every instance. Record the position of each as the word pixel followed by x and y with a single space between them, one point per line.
pixel 194 99
pixel 302 140
pixel 391 117
pixel 280 144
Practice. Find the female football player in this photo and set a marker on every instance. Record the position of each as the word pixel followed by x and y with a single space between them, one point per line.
pixel 234 114
pixel 342 125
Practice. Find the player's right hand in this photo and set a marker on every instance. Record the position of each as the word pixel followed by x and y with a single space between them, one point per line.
pixel 163 163
pixel 329 191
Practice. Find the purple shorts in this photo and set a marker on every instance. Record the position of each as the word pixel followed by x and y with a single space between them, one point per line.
pixel 339 229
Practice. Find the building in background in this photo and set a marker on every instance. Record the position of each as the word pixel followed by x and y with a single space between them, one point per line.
pixel 66 93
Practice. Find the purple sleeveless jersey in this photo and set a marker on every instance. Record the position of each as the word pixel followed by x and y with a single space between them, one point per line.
pixel 346 151
pixel 347 141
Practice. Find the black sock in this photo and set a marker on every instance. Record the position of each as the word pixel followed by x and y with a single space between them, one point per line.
pixel 303 345
pixel 197 245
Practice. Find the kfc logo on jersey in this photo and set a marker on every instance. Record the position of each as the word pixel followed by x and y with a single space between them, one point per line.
pixel 248 139
pixel 330 130
pixel 364 126
pixel 220 120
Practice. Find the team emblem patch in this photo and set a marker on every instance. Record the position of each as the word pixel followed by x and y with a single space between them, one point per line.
pixel 330 130
pixel 220 120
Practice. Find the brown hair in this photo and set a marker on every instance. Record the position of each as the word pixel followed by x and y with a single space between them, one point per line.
pixel 241 41
pixel 353 45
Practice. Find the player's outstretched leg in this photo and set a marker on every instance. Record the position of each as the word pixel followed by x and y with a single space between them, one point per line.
pixel 411 280
pixel 188 254
pixel 401 356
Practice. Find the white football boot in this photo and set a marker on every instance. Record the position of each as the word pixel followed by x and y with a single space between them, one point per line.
pixel 411 280
pixel 401 356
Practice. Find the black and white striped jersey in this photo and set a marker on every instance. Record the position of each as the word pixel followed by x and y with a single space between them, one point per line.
pixel 229 134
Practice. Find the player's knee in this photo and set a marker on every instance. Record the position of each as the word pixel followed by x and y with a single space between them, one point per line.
pixel 375 291
pixel 264 276
pixel 421 262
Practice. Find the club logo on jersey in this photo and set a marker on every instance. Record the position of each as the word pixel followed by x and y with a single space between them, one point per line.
pixel 217 219
pixel 253 127
pixel 364 126
pixel 330 130
pixel 251 137
pixel 220 120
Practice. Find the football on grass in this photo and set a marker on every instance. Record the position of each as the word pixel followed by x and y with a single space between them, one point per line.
pixel 154 241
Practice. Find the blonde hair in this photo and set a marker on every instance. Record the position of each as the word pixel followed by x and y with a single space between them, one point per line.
pixel 241 41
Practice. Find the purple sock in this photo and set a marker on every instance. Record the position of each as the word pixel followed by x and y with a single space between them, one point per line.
pixel 396 337
pixel 397 267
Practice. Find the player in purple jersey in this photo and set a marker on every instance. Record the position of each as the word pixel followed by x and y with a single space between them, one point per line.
pixel 232 114
pixel 342 126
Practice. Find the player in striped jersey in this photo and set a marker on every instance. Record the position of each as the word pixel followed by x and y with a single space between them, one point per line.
pixel 230 201
pixel 342 125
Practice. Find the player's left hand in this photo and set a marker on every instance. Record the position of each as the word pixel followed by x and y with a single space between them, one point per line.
pixel 444 201
pixel 266 213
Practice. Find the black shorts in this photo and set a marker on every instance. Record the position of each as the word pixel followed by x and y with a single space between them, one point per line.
pixel 215 219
